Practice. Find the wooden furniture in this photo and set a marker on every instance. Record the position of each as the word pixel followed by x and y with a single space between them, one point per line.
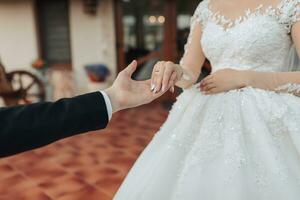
pixel 20 87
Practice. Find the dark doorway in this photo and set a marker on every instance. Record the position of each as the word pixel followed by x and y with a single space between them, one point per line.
pixel 53 23
pixel 151 29
pixel 146 30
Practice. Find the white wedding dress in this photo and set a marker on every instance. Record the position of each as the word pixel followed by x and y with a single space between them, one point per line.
pixel 239 145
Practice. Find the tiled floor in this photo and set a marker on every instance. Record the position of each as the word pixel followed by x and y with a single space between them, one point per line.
pixel 85 167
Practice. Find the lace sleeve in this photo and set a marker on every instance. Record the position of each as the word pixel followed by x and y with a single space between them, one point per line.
pixel 292 88
pixel 193 57
pixel 296 12
pixel 198 19
pixel 290 13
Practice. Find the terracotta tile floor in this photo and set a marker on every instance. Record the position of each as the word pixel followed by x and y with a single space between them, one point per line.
pixel 85 167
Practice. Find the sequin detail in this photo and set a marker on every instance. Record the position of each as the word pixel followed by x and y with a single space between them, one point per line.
pixel 293 88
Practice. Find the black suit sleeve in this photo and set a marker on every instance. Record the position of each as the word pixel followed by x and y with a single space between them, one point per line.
pixel 24 128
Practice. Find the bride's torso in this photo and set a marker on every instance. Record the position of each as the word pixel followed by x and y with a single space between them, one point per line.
pixel 258 40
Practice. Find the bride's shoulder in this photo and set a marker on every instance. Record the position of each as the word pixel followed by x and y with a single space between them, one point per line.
pixel 202 11
pixel 289 12
pixel 203 5
pixel 289 7
pixel 290 1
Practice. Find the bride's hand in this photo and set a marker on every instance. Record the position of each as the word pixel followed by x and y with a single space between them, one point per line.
pixel 223 80
pixel 164 76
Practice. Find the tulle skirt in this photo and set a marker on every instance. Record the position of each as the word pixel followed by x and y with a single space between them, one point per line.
pixel 239 145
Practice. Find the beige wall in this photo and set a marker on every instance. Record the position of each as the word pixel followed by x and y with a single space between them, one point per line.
pixel 18 43
pixel 92 39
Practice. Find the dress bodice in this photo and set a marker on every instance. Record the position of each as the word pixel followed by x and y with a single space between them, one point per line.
pixel 259 40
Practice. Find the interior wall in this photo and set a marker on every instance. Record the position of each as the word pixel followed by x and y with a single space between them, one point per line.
pixel 18 40
pixel 92 39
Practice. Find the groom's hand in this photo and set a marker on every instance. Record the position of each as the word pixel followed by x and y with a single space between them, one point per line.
pixel 128 93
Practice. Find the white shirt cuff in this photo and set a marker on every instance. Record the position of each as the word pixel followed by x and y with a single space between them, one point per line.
pixel 108 104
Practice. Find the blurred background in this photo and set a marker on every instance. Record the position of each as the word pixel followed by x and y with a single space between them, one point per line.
pixel 51 49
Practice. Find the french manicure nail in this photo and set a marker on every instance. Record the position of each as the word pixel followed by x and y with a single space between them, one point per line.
pixel 152 87
pixel 154 90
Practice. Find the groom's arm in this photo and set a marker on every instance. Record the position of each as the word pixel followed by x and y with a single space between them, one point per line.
pixel 24 128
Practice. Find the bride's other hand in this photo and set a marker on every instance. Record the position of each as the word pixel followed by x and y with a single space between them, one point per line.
pixel 223 81
pixel 164 76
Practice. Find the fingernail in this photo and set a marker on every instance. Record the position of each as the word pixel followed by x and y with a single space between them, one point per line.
pixel 152 87
pixel 163 88
pixel 154 90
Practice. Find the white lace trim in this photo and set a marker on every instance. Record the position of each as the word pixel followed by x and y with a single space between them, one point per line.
pixel 229 23
pixel 287 12
pixel 293 88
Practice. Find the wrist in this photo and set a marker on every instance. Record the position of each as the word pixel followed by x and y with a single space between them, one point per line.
pixel 179 72
pixel 113 99
pixel 184 75
pixel 246 78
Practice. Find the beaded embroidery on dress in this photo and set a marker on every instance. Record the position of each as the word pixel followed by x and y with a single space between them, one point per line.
pixel 237 145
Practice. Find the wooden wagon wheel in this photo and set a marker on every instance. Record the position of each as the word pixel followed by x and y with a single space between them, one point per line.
pixel 28 87
pixel 6 88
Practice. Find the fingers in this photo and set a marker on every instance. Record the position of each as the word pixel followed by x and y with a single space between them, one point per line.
pixel 172 89
pixel 156 69
pixel 212 91
pixel 130 69
pixel 152 96
pixel 206 81
pixel 163 77
pixel 168 77
pixel 208 87
pixel 153 76
pixel 172 82
pixel 159 78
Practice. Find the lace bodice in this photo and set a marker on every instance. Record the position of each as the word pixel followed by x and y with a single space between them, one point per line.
pixel 259 40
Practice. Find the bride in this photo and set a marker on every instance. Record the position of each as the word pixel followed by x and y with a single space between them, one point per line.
pixel 236 135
